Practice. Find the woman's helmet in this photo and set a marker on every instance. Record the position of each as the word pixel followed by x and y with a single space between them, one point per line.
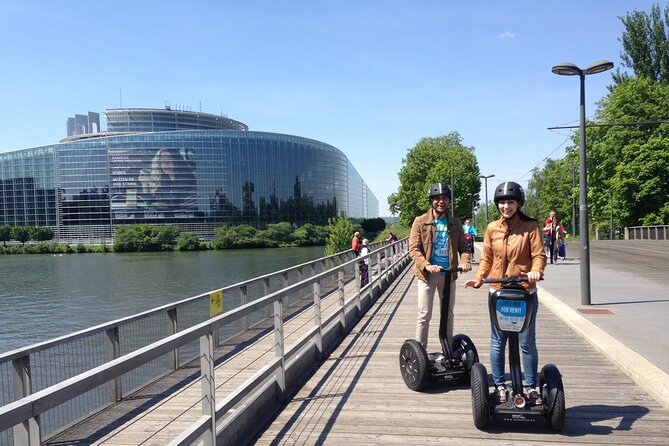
pixel 439 189
pixel 509 191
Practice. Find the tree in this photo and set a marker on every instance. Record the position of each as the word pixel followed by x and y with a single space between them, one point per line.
pixel 435 160
pixel 21 233
pixel 373 226
pixel 310 235
pixel 279 232
pixel 551 189
pixel 41 233
pixel 645 46
pixel 393 204
pixel 629 165
pixel 341 232
pixel 5 234
pixel 188 241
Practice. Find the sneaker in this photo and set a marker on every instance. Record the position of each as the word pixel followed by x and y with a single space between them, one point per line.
pixel 533 396
pixel 502 395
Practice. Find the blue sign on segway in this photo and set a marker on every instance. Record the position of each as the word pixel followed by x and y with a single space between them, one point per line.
pixel 511 314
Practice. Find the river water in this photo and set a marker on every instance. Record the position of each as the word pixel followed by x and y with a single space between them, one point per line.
pixel 44 296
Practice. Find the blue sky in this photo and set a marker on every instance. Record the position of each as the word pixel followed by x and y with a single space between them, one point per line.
pixel 371 78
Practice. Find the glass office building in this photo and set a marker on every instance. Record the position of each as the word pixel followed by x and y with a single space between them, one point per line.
pixel 190 169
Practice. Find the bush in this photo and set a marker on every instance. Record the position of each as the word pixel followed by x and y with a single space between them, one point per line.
pixel 188 242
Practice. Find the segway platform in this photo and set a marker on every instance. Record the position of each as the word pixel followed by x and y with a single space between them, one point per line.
pixel 453 363
pixel 511 310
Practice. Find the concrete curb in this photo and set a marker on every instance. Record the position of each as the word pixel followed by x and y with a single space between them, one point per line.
pixel 645 374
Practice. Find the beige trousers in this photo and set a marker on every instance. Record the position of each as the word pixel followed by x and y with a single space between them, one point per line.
pixel 426 292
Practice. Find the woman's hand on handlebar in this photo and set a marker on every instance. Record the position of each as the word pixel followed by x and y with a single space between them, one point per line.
pixel 476 282
pixel 532 277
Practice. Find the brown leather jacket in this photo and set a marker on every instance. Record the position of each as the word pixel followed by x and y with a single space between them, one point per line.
pixel 421 240
pixel 512 247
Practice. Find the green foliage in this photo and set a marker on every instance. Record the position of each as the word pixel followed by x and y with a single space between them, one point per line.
pixel 556 185
pixel 21 234
pixel 5 234
pixel 144 237
pixel 232 237
pixel 645 45
pixel 341 232
pixel 393 204
pixel 188 241
pixel 436 160
pixel 630 164
pixel 310 235
pixel 398 229
pixel 279 232
pixel 373 226
pixel 164 237
pixel 41 233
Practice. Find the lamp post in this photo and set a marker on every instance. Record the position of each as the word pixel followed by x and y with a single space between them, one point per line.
pixel 569 69
pixel 485 179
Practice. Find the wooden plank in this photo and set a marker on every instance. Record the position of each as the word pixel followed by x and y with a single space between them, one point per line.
pixel 358 397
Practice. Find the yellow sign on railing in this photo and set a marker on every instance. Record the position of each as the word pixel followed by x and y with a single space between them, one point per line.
pixel 215 303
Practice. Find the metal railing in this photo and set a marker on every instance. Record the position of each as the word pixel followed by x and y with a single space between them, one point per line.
pixel 658 232
pixel 50 385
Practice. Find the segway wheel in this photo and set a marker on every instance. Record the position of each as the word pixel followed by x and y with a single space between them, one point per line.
pixel 553 396
pixel 480 407
pixel 464 349
pixel 414 365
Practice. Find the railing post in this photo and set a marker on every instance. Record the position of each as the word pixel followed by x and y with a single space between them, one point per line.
pixel 113 352
pixel 265 284
pixel 208 386
pixel 300 277
pixel 28 432
pixel 172 328
pixel 342 300
pixel 279 348
pixel 318 321
pixel 284 281
pixel 358 287
pixel 243 300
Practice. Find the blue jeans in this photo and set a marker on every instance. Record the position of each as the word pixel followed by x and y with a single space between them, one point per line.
pixel 528 347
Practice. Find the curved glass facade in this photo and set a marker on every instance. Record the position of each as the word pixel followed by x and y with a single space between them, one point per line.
pixel 197 179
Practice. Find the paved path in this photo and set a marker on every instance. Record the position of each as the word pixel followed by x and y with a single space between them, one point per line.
pixel 629 292
pixel 358 396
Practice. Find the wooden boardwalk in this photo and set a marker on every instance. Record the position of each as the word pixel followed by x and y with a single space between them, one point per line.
pixel 358 397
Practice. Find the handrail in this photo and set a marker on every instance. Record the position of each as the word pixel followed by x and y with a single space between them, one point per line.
pixel 24 413
pixel 652 232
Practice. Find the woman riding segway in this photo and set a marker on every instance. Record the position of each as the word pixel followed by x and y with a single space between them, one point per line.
pixel 513 246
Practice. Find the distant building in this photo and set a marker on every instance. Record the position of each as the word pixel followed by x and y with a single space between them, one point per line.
pixel 83 124
pixel 164 166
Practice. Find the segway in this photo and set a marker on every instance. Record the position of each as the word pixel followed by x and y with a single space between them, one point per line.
pixel 453 363
pixel 511 309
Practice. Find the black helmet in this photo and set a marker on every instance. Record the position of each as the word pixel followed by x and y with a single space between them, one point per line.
pixel 509 191
pixel 439 189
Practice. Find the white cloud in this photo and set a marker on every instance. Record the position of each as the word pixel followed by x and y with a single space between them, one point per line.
pixel 506 35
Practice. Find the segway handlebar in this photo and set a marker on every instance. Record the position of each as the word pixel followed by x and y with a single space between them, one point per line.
pixel 507 279
pixel 452 270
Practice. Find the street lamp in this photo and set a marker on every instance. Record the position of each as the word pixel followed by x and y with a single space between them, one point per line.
pixel 569 69
pixel 485 179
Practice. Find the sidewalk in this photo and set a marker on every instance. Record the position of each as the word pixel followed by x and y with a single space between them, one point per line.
pixel 627 319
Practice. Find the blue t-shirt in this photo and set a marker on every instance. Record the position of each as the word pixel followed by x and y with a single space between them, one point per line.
pixel 440 245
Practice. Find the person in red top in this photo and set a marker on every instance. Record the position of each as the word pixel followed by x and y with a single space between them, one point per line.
pixel 547 234
pixel 355 244
pixel 556 235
